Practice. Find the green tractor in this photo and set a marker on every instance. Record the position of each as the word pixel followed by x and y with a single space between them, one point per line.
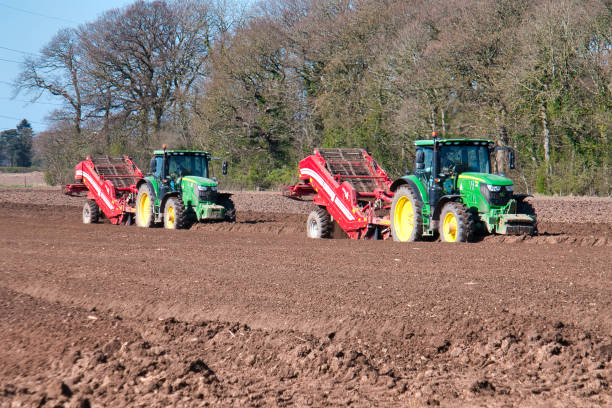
pixel 179 191
pixel 452 191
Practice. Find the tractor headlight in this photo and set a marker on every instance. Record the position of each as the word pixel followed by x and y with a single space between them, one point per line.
pixel 493 188
pixel 203 188
pixel 510 188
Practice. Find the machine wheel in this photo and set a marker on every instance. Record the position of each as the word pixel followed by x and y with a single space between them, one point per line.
pixel 524 207
pixel 456 223
pixel 406 216
pixel 230 209
pixel 144 207
pixel 91 212
pixel 175 216
pixel 319 224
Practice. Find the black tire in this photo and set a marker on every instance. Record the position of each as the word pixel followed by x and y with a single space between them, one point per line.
pixel 91 212
pixel 230 209
pixel 525 207
pixel 461 229
pixel 319 224
pixel 406 215
pixel 145 201
pixel 175 216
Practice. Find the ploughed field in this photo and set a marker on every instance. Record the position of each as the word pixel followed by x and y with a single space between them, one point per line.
pixel 256 314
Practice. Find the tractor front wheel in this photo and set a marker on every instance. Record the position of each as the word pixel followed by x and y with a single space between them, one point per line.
pixel 455 223
pixel 230 209
pixel 144 207
pixel 175 216
pixel 406 216
pixel 91 212
pixel 319 224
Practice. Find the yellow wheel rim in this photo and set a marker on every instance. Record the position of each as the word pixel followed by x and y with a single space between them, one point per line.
pixel 144 208
pixel 449 227
pixel 170 215
pixel 403 219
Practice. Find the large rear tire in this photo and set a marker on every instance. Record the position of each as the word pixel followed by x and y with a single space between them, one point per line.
pixel 406 215
pixel 144 207
pixel 91 212
pixel 175 216
pixel 456 223
pixel 319 224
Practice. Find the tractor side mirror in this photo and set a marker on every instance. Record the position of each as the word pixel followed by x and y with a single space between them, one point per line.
pixel 420 160
pixel 511 159
pixel 224 167
pixel 152 166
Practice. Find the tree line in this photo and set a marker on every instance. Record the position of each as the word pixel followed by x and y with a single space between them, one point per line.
pixel 264 85
pixel 16 146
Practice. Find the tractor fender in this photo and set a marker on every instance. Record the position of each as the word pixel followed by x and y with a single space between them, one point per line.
pixel 147 182
pixel 165 198
pixel 521 197
pixel 222 196
pixel 443 200
pixel 405 180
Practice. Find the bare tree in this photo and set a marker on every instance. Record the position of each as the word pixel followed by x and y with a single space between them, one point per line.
pixel 149 54
pixel 57 71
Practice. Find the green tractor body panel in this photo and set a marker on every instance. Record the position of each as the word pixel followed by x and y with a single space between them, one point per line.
pixel 184 174
pixel 464 174
pixel 200 193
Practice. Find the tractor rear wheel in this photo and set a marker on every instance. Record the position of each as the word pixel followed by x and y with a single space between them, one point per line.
pixel 456 223
pixel 144 207
pixel 91 212
pixel 319 224
pixel 175 216
pixel 406 218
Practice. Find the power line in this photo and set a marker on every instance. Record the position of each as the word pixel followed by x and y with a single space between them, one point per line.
pixel 20 119
pixel 19 51
pixel 38 14
pixel 24 101
pixel 10 60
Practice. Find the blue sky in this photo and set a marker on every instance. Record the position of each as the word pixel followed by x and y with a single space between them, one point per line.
pixel 28 25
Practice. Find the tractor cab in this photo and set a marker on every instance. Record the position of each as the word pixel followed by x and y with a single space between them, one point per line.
pixel 440 163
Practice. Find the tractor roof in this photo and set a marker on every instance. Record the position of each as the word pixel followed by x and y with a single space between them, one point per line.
pixel 181 152
pixel 430 142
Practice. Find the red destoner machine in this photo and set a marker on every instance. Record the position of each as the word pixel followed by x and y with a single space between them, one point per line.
pixel 351 186
pixel 111 183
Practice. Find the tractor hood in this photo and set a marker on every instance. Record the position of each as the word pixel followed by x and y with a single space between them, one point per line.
pixel 486 178
pixel 200 181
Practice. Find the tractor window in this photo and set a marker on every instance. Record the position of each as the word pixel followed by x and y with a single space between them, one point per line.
pixel 159 164
pixel 462 158
pixel 428 160
pixel 187 165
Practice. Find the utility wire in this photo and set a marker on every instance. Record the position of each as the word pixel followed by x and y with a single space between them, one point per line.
pixel 37 14
pixel 19 119
pixel 19 51
pixel 24 101
pixel 10 60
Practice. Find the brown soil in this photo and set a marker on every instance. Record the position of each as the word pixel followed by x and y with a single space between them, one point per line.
pixel 255 314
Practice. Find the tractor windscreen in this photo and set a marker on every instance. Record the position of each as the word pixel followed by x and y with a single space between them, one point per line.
pixel 462 158
pixel 181 165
